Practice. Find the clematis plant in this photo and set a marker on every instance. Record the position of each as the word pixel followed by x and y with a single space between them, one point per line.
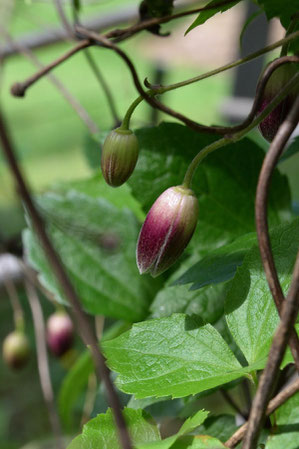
pixel 167 230
pixel 60 333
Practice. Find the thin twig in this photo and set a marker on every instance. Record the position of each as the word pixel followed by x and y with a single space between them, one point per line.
pixel 69 30
pixel 289 310
pixel 276 402
pixel 75 104
pixel 54 260
pixel 98 74
pixel 103 41
pixel 19 89
pixel 15 303
pixel 42 360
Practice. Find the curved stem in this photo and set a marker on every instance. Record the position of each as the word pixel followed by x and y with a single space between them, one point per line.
pixel 126 120
pixel 226 140
pixel 15 303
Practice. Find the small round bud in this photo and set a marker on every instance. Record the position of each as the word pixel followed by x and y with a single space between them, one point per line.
pixel 279 78
pixel 60 333
pixel 167 230
pixel 119 156
pixel 16 350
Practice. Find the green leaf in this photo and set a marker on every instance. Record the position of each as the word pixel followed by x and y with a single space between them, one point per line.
pixel 225 182
pixel 207 303
pixel 73 385
pixel 291 151
pixel 250 311
pixel 221 427
pixel 101 432
pixel 198 442
pixel 76 380
pixel 206 15
pixel 96 242
pixel 189 425
pixel 283 9
pixel 175 356
pixel 286 432
pixel 219 265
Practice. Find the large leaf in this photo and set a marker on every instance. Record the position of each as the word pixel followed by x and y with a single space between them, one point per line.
pixel 225 182
pixel 286 432
pixel 101 432
pixel 250 311
pixel 219 265
pixel 221 427
pixel 175 356
pixel 206 15
pixel 96 242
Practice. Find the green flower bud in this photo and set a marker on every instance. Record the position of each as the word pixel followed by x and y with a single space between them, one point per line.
pixel 119 156
pixel 16 350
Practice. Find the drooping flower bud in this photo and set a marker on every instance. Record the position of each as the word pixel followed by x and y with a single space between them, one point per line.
pixel 60 333
pixel 16 350
pixel 167 230
pixel 119 156
pixel 269 126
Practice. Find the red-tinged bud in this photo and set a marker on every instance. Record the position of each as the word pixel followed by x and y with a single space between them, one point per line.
pixel 167 230
pixel 16 350
pixel 60 333
pixel 119 156
pixel 269 126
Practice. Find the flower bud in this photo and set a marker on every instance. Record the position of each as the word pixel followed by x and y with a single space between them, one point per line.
pixel 119 156
pixel 16 350
pixel 167 230
pixel 269 126
pixel 60 333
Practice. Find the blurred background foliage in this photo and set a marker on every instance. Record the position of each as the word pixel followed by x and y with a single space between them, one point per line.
pixel 51 143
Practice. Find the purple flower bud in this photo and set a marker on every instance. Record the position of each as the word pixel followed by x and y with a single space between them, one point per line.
pixel 119 156
pixel 269 126
pixel 60 333
pixel 167 230
pixel 16 350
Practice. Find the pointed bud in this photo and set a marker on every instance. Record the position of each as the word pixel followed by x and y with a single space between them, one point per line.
pixel 119 156
pixel 16 350
pixel 269 126
pixel 167 230
pixel 60 333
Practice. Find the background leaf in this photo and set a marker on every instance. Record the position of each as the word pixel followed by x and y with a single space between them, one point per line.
pixel 96 242
pixel 205 15
pixel 221 427
pixel 250 311
pixel 101 432
pixel 293 149
pixel 174 356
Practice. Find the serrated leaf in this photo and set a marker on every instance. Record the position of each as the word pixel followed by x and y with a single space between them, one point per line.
pixel 96 242
pixel 219 265
pixel 250 311
pixel 225 183
pixel 175 356
pixel 206 15
pixel 286 431
pixel 101 432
